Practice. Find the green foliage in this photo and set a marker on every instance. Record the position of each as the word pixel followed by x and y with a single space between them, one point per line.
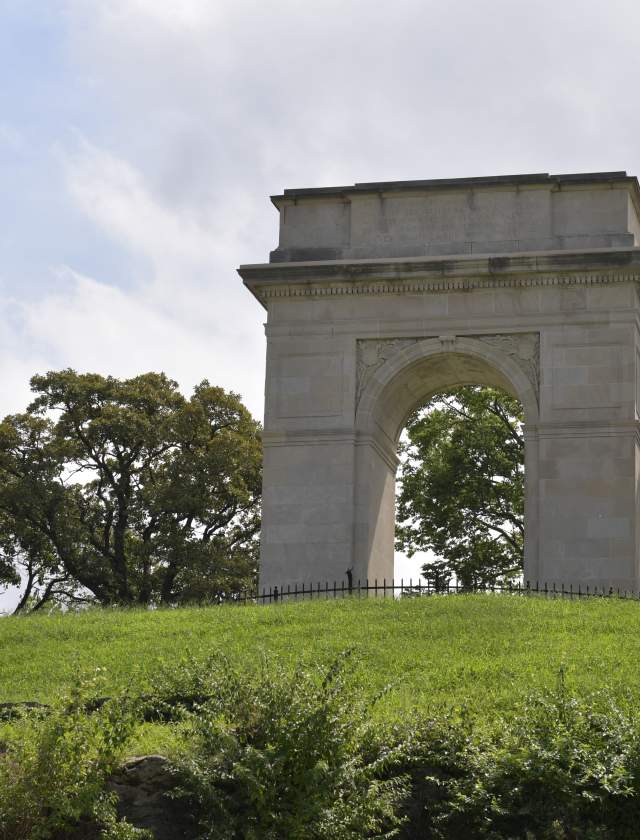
pixel 278 754
pixel 125 492
pixel 53 768
pixel 271 751
pixel 562 768
pixel 462 487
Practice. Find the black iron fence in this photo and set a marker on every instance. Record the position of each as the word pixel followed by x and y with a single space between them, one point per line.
pixel 408 589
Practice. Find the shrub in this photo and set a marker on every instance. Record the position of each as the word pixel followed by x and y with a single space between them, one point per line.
pixel 561 768
pixel 54 767
pixel 295 755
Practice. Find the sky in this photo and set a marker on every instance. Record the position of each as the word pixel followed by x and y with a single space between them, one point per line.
pixel 140 141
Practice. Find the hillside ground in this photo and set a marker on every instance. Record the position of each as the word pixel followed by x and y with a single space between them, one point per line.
pixel 482 652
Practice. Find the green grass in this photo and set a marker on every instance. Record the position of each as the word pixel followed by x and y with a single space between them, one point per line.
pixel 485 652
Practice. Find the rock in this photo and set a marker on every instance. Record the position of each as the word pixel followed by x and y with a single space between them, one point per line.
pixel 9 711
pixel 142 786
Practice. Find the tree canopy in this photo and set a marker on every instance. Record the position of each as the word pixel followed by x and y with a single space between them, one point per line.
pixel 462 487
pixel 125 492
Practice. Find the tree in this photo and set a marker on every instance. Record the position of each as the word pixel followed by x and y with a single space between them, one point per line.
pixel 462 487
pixel 125 492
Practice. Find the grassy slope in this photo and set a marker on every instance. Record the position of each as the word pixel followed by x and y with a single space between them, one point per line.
pixel 483 651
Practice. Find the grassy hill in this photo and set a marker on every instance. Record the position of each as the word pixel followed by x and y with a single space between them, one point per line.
pixel 284 747
pixel 485 652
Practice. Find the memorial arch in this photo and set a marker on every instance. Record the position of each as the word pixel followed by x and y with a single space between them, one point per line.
pixel 380 295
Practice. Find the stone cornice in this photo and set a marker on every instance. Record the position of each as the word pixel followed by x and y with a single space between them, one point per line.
pixel 424 275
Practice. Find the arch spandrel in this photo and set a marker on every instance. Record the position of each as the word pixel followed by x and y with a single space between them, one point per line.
pixel 413 373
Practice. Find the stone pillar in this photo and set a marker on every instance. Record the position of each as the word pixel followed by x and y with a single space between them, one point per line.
pixel 309 461
pixel 588 465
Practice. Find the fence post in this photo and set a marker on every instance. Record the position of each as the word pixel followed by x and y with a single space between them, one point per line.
pixel 275 594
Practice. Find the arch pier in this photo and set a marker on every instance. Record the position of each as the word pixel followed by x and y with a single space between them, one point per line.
pixel 379 295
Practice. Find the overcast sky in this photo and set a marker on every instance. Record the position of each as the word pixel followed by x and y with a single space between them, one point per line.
pixel 140 141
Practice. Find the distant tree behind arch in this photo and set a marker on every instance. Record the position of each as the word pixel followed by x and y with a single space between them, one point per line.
pixel 461 490
pixel 126 492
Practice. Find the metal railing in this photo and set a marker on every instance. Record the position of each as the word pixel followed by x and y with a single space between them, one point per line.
pixel 408 589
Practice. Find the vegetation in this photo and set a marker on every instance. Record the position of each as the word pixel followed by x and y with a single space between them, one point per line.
pixel 124 492
pixel 481 651
pixel 270 751
pixel 54 768
pixel 274 753
pixel 462 487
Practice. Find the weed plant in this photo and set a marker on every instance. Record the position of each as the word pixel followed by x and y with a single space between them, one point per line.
pixel 54 767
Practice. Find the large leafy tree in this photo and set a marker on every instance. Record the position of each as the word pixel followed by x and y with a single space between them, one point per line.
pixel 462 487
pixel 126 492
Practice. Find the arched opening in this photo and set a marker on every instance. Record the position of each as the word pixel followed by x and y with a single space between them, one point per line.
pixel 393 392
pixel 460 491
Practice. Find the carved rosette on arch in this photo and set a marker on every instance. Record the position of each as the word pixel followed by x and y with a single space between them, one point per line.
pixel 522 348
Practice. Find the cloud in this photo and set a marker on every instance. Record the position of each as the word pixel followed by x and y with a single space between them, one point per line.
pixel 182 309
pixel 186 13
pixel 95 327
pixel 194 112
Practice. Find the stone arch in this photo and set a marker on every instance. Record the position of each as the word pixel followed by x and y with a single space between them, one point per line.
pixel 400 384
